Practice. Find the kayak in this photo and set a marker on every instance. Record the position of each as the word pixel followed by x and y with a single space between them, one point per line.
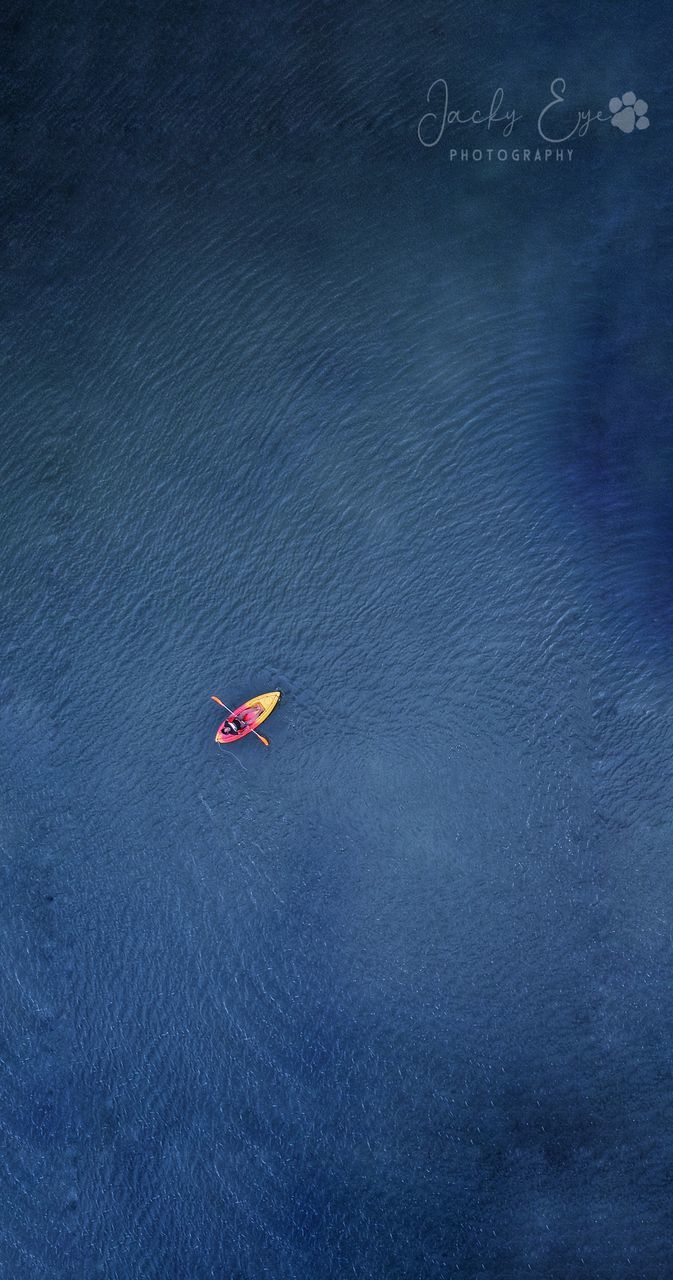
pixel 252 713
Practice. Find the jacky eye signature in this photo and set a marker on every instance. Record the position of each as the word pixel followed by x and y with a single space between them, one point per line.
pixel 557 122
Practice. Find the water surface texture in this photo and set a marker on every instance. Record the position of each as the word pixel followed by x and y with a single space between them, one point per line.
pixel 292 401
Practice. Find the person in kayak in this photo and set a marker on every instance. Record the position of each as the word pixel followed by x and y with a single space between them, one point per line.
pixel 233 726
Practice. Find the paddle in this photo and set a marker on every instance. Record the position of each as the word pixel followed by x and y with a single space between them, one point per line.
pixel 220 703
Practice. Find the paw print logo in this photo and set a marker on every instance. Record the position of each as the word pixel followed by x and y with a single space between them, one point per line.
pixel 628 113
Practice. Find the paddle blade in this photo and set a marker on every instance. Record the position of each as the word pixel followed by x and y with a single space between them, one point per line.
pixel 263 739
pixel 218 701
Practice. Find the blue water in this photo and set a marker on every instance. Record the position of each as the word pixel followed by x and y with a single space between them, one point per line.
pixel 292 401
